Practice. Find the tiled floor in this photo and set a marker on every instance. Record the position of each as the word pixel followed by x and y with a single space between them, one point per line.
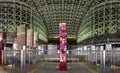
pixel 53 67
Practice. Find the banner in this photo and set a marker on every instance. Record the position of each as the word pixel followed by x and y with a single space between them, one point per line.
pixel 63 46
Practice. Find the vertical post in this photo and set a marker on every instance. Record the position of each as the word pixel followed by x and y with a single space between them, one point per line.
pixel 22 60
pixel 104 59
pixel 109 51
pixel 84 50
pixel 96 52
pixel 93 53
pixel 63 46
pixel 29 56
pixel 2 57
pixel 13 62
pixel 88 53
pixel 101 57
pixel 23 57
pixel 102 54
pixel 25 42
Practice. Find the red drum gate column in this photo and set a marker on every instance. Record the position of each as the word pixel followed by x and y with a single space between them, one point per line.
pixel 63 46
pixel 2 43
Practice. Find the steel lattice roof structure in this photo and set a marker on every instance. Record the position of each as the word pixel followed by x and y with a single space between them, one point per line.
pixel 87 20
pixel 68 11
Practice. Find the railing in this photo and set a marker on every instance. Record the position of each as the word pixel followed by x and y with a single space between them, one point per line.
pixel 22 58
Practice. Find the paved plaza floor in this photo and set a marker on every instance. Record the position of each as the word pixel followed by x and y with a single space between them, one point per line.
pixel 53 67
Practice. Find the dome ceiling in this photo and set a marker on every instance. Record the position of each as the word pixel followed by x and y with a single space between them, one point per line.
pixel 70 12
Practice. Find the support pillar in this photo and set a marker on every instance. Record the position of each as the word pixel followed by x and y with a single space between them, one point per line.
pixel 63 46
pixel 2 44
pixel 21 36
